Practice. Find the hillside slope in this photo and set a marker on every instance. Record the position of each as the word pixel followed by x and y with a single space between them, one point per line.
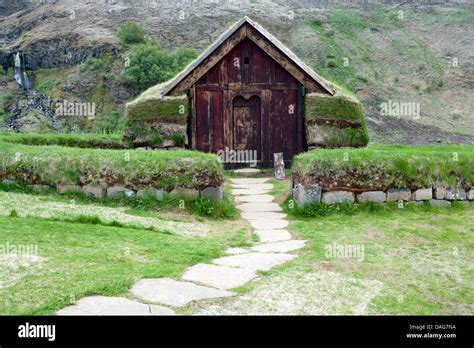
pixel 394 54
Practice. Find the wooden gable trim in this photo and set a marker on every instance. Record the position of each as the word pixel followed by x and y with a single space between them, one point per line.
pixel 188 78
pixel 281 59
pixel 246 28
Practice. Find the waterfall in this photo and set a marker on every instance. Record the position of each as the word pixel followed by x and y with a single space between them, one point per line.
pixel 20 74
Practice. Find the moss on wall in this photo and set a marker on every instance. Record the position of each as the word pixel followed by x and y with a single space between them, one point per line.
pixel 334 121
pixel 157 121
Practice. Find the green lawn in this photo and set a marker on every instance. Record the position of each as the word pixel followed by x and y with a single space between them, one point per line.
pixel 74 260
pixel 419 258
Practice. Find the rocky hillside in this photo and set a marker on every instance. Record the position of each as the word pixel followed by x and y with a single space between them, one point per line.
pixel 411 65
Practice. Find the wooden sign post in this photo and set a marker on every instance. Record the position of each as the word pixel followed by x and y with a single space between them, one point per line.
pixel 279 166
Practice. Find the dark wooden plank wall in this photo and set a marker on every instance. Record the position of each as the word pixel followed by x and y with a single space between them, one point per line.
pixel 248 71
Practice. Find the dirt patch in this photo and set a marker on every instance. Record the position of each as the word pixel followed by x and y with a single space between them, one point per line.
pixel 14 267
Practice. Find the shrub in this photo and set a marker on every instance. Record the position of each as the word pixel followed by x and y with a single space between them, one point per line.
pixel 150 64
pixel 53 165
pixel 131 33
pixel 385 167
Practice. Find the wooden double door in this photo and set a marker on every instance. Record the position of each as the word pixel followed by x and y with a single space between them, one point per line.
pixel 247 101
pixel 267 123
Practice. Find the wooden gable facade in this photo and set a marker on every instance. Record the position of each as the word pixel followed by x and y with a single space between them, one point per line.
pixel 246 93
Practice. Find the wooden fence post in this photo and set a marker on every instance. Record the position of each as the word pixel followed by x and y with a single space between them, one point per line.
pixel 279 166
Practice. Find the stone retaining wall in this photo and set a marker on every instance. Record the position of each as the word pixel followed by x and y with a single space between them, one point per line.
pixel 98 191
pixel 437 196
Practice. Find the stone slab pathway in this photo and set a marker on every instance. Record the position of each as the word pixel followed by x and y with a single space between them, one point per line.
pixel 265 223
pixel 235 251
pixel 102 305
pixel 241 192
pixel 280 247
pixel 174 293
pixel 250 215
pixel 255 261
pixel 255 198
pixel 259 207
pixel 213 280
pixel 270 236
pixel 220 277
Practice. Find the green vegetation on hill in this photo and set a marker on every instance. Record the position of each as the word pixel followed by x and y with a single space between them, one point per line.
pixel 130 33
pixel 5 99
pixel 347 55
pixel 95 64
pixel 150 64
pixel 339 43
pixel 384 167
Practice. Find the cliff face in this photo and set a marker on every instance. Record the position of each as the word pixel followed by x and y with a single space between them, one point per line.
pixel 384 53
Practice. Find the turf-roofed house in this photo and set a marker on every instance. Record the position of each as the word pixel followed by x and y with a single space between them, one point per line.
pixel 246 92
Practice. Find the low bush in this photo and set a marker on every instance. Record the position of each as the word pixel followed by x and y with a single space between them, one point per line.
pixel 54 165
pixel 150 64
pixel 385 167
pixel 107 141
pixel 130 33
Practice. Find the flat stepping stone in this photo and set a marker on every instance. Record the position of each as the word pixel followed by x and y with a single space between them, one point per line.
pixel 268 224
pixel 252 215
pixel 240 192
pixel 280 247
pixel 253 186
pixel 259 207
pixel 102 305
pixel 244 181
pixel 254 261
pixel 174 293
pixel 255 199
pixel 235 251
pixel 247 171
pixel 220 277
pixel 269 236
